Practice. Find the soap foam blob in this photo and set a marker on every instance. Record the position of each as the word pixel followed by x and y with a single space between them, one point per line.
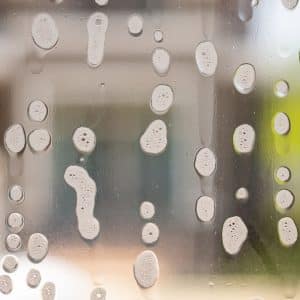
pixel 205 162
pixel 281 123
pixel 15 222
pixel 37 111
pixel 234 234
pixel 102 2
pixel 39 140
pixel 98 294
pixel 147 210
pixel 206 58
pixel 284 200
pixel 287 231
pixel 16 194
pixel 13 242
pixel 85 188
pixel 205 208
pixel 289 4
pixel 158 36
pixel 37 247
pixel 283 174
pixel 242 194
pixel 10 263
pixel 244 139
pixel 33 278
pixel 162 99
pixel 135 25
pixel 150 233
pixel 44 31
pixel 96 26
pixel 161 61
pixel 14 139
pixel 281 88
pixel 5 284
pixel 84 140
pixel 154 140
pixel 146 269
pixel 244 79
pixel 48 291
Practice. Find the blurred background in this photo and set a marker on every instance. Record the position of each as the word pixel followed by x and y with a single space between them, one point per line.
pixel 113 100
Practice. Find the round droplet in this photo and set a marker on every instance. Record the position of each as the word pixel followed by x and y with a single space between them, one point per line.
pixel 16 194
pixel 33 278
pixel 281 123
pixel 161 61
pixel 13 242
pixel 284 200
pixel 44 31
pixel 39 140
pixel 98 294
pixel 162 99
pixel 84 140
pixel 282 174
pixel 244 139
pixel 150 233
pixel 206 58
pixel 135 25
pixel 205 208
pixel 37 247
pixel 244 79
pixel 147 210
pixel 254 3
pixel 287 231
pixel 289 4
pixel 242 194
pixel 146 269
pixel 37 111
pixel 158 36
pixel 234 234
pixel 14 139
pixel 15 222
pixel 205 162
pixel 102 2
pixel 48 291
pixel 10 263
pixel 281 88
pixel 5 284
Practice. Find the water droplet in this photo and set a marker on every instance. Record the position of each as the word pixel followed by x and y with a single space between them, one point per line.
pixel 244 79
pixel 14 139
pixel 37 111
pixel 146 269
pixel 281 123
pixel 96 26
pixel 234 234
pixel 39 140
pixel 33 278
pixel 150 233
pixel 15 222
pixel 147 210
pixel 10 264
pixel 85 187
pixel 282 174
pixel 135 25
pixel 44 31
pixel 5 284
pixel 205 162
pixel 242 194
pixel 154 139
pixel 84 140
pixel 287 231
pixel 161 61
pixel 206 58
pixel 158 36
pixel 13 242
pixel 16 194
pixel 162 99
pixel 37 247
pixel 102 2
pixel 284 200
pixel 244 139
pixel 205 208
pixel 289 4
pixel 254 3
pixel 48 291
pixel 245 10
pixel 98 294
pixel 281 88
